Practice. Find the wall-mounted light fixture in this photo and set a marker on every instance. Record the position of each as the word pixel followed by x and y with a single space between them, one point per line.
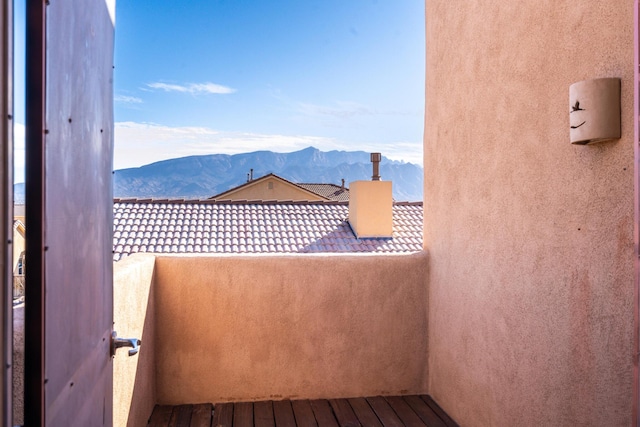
pixel 594 110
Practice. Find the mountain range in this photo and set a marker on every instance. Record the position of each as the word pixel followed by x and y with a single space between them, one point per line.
pixel 204 176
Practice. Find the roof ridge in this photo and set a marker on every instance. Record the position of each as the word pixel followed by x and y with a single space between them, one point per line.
pixel 320 183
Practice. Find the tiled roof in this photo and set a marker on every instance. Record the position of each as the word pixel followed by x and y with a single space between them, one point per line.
pixel 330 191
pixel 241 227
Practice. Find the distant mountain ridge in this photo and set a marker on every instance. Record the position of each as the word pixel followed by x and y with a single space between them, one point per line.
pixel 204 176
pixel 207 175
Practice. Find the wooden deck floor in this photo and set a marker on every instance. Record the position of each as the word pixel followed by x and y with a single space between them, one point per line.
pixel 389 411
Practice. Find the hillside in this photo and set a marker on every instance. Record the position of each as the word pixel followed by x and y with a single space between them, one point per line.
pixel 205 176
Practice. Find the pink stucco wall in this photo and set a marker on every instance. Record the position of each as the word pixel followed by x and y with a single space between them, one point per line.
pixel 273 327
pixel 529 237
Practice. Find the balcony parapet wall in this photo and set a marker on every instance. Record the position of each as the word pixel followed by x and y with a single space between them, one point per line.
pixel 275 327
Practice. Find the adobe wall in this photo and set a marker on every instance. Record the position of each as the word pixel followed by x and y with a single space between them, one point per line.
pixel 263 327
pixel 529 237
pixel 134 382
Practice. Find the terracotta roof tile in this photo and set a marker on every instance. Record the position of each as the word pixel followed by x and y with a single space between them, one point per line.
pixel 206 226
pixel 330 191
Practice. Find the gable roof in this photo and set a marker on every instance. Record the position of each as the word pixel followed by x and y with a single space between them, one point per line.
pixel 295 191
pixel 330 191
pixel 241 227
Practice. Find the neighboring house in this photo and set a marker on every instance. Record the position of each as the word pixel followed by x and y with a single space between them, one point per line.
pixel 19 262
pixel 19 232
pixel 240 227
pixel 274 187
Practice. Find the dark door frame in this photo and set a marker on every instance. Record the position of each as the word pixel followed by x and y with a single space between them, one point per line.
pixel 636 222
pixel 35 67
pixel 6 209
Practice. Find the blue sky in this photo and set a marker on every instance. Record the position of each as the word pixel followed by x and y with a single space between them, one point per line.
pixel 229 76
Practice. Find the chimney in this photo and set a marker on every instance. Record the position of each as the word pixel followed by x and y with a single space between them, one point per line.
pixel 251 171
pixel 371 205
pixel 342 183
pixel 248 178
pixel 375 159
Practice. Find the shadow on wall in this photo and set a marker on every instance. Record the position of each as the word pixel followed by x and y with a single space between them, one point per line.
pixel 144 384
pixel 134 381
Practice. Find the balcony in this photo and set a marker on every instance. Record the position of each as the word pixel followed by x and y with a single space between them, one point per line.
pixel 268 328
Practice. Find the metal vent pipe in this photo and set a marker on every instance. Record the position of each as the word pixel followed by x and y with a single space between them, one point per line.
pixel 376 158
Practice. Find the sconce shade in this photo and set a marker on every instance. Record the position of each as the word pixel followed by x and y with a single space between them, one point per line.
pixel 594 110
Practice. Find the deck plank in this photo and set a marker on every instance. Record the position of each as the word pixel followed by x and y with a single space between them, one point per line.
pixel 385 413
pixel 283 413
pixel 243 414
pixel 363 411
pixel 181 416
pixel 222 415
pixel 404 411
pixel 263 414
pixel 201 415
pixel 344 414
pixel 423 410
pixel 160 416
pixel 448 421
pixel 303 413
pixel 323 412
pixel 390 411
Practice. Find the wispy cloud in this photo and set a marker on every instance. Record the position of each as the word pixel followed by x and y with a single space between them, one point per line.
pixel 125 99
pixel 137 144
pixel 192 88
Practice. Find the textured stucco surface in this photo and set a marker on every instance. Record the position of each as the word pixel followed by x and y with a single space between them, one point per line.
pixel 134 382
pixel 529 237
pixel 371 208
pixel 265 327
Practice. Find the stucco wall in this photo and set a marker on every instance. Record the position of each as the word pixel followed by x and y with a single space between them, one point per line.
pixel 251 328
pixel 530 238
pixel 134 381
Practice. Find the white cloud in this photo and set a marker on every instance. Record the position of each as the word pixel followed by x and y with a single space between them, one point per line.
pixel 138 144
pixel 127 99
pixel 405 151
pixel 192 88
